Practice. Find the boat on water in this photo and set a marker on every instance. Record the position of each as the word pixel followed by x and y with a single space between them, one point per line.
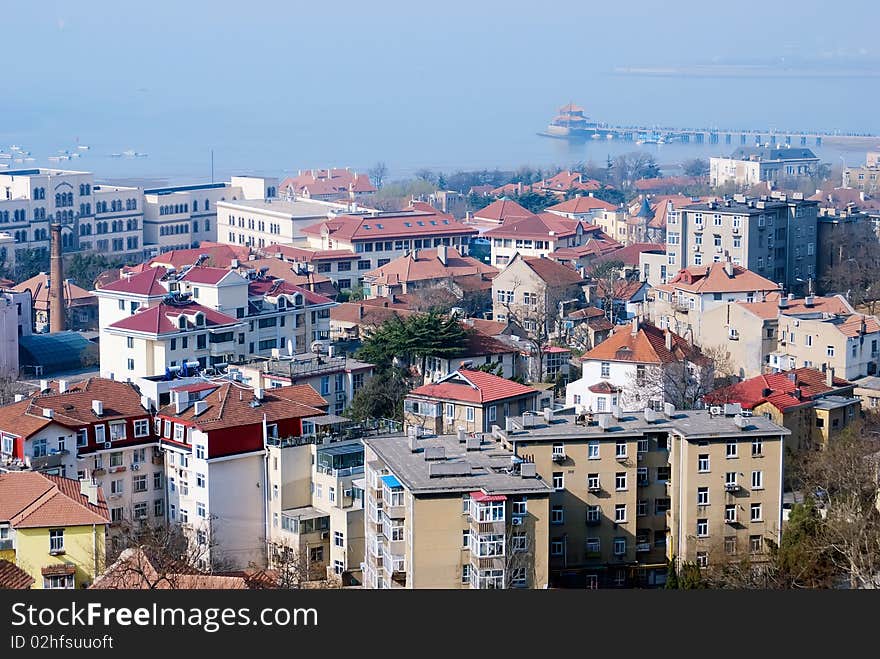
pixel 15 147
pixel 83 147
pixel 115 155
pixel 6 156
pixel 572 123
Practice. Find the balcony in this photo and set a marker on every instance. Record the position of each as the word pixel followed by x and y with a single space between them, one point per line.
pixel 730 520
pixel 395 512
pixel 731 487
pixel 483 528
pixel 643 547
pixel 680 307
pixel 481 563
pixel 559 458
pixel 594 489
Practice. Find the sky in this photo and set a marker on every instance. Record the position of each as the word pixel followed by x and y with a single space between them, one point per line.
pixel 276 84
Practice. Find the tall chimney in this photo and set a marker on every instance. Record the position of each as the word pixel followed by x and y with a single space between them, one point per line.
pixel 56 283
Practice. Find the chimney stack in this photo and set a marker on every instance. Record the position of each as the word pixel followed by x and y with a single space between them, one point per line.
pixel 56 283
pixel 728 267
pixel 829 377
pixel 635 325
pixel 668 337
pixel 442 255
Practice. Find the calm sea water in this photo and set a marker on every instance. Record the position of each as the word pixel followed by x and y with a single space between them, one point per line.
pixel 414 127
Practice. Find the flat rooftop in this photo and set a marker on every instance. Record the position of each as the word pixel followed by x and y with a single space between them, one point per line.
pixel 297 208
pixel 486 468
pixel 185 188
pixel 835 402
pixel 691 424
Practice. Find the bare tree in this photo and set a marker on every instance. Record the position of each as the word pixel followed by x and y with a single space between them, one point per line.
pixel 9 388
pixel 682 383
pixel 853 253
pixel 377 173
pixel 293 569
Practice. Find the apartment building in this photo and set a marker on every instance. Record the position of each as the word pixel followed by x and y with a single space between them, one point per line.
pixel 847 343
pixel 209 316
pixel 681 303
pixel 214 437
pixel 382 236
pixel 632 490
pixel 95 218
pixel 813 405
pixel 429 269
pixel 97 429
pixel 840 234
pixel 468 399
pixel 452 512
pixel 752 165
pixel 183 216
pixel 15 321
pixel 638 366
pixel 748 332
pixel 317 508
pixel 261 223
pixel 774 237
pixel 336 378
pixel 328 184
pixel 864 177
pixel 52 528
pixel 349 320
pixel 333 265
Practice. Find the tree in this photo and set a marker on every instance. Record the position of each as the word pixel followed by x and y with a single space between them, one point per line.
pixel 9 388
pixel 382 396
pixel 426 175
pixel 534 202
pixel 682 382
pixel 630 167
pixel 377 173
pixel 606 275
pixel 85 268
pixel 853 253
pixel 294 570
pixel 30 262
pixel 696 167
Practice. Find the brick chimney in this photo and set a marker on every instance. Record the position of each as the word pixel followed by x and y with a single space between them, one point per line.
pixel 56 283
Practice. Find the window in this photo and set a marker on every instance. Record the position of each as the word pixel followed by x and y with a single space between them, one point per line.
pixel 116 459
pixel 316 554
pixel 58 582
pixel 641 507
pixel 557 515
pixel 620 481
pixel 661 505
pixel 450 411
pixel 702 559
pixel 829 351
pixel 731 449
pixel 756 513
pixel 664 474
pixel 620 512
pixel 619 546
pixel 470 413
pixel 338 539
pixel 556 547
pixel 200 510
pixel 592 481
pixel 757 447
pixel 757 480
pixel 703 462
pixel 140 510
pixel 593 514
pixel 754 544
pixel 82 436
pixel 558 451
pixel 56 541
pixel 620 449
pixel 702 528
pixel 465 539
pixel 730 512
pixel 141 428
pixel 200 451
pixel 116 515
pixel 642 446
pixel 606 369
pixel 558 480
pixel 200 480
pixel 466 573
pixel 702 496
pixel 139 483
pixel 593 450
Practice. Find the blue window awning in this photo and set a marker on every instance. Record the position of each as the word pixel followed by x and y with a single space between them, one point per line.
pixel 391 481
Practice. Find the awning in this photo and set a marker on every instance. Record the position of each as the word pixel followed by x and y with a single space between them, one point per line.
pixel 482 497
pixel 391 481
pixel 60 570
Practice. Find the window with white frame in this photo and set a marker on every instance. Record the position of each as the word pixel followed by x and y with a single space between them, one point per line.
pixel 756 512
pixel 757 447
pixel 141 427
pixel 466 573
pixel 519 506
pixel 556 547
pixel 730 512
pixel 179 432
pixel 466 539
pixel 730 479
pixel 558 480
pixel 732 448
pixel 594 513
pixel 592 481
pixel 470 413
pixel 593 450
pixel 519 542
pixel 755 544
pixel 200 451
pixel 643 445
pixel 702 528
pixel 558 450
pixel 702 559
pixel 200 480
pixel 450 411
pixel 605 369
pixel 703 462
pixel 58 582
pixel 620 481
pixel 757 480
pixel 200 510
pixel 82 437
pixel 117 431
pixel 557 515
pixel 56 540
pixel 619 546
pixel 702 496
pixel 620 449
pixel 593 545
pixel 620 512
pixel 641 508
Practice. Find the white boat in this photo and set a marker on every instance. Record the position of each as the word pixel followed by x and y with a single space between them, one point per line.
pixel 3 165
pixel 6 156
pixel 54 158
pixel 115 155
pixel 15 147
pixel 609 136
pixel 83 147
pixel 29 159
pixel 131 153
pixel 138 154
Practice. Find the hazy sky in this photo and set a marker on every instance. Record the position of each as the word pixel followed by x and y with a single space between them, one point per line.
pixel 340 78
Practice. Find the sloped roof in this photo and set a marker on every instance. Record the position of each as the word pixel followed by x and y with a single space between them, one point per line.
pixel 205 274
pixel 358 313
pixel 769 308
pixel 646 346
pixel 142 283
pixel 161 318
pixel 415 221
pixel 13 577
pixel 502 211
pixel 135 570
pixel 777 389
pixel 29 499
pixel 473 387
pixel 39 285
pixel 595 247
pixel 713 278
pixel 582 204
pixel 425 264
pixel 219 255
pixel 553 273
pixel 630 254
pixel 621 289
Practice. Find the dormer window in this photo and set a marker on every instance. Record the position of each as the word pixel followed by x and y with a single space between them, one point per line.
pixel 282 302
pixel 200 319
pixel 298 299
pixel 181 322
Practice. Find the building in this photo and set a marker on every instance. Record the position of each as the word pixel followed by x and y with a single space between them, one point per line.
pixel 214 437
pixel 774 237
pixel 335 266
pixel 479 351
pixel 752 165
pixel 632 490
pixel 81 307
pixel 96 429
pixel 424 269
pixel 380 237
pixel 15 322
pixel 840 234
pixel 681 303
pixel 468 399
pixel 208 317
pixel 52 528
pixel 95 218
pixel 864 177
pixel 451 512
pixel 330 184
pixel 348 319
pixel 640 366
pixel 813 405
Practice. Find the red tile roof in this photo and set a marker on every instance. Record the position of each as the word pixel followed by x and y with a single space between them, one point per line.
pixel 713 278
pixel 304 255
pixel 582 204
pixel 424 264
pixel 142 283
pixel 621 289
pixel 646 346
pixel 30 499
pixel 13 577
pixel 630 254
pixel 278 269
pixel 857 324
pixel 777 389
pixel 502 211
pixel 327 182
pixel 416 221
pixel 593 247
pixel 261 287
pixel 205 275
pixel 162 318
pixel 552 273
pixel 38 285
pixel 487 327
pixel 769 308
pixel 605 387
pixel 473 387
pixel 219 255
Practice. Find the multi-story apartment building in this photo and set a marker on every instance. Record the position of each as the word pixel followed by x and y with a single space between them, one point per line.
pixel 632 490
pixel 775 237
pixel 207 315
pixel 841 232
pixel 748 332
pixel 15 321
pixel 52 528
pixel 382 236
pixel 864 177
pixel 337 379
pixel 814 406
pixel 681 303
pixel 847 343
pixel 98 430
pixel 751 165
pixel 214 437
pixel 452 512
pixel 638 366
pixel 339 267
pixel 100 218
pixel 466 399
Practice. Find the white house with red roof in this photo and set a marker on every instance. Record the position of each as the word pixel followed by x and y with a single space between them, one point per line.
pixel 469 400
pixel 328 184
pixel 215 438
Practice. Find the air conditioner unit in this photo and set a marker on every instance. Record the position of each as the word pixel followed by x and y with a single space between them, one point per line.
pixel 516 521
pixel 108 445
pixel 347 493
pixel 731 487
pixel 325 535
pixel 135 466
pixel 716 409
